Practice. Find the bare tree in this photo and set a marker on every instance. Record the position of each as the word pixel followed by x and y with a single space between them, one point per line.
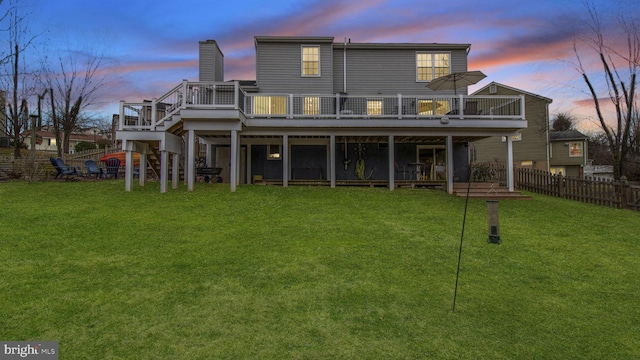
pixel 620 85
pixel 17 78
pixel 73 83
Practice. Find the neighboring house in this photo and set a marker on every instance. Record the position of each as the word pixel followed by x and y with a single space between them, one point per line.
pixel 46 139
pixel 331 112
pixel 530 145
pixel 536 147
pixel 568 152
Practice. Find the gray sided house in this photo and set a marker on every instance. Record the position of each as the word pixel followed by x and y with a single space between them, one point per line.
pixel 568 152
pixel 531 145
pixel 321 112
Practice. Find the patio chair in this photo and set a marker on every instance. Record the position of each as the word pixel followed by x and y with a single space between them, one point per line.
pixel 113 166
pixel 93 169
pixel 471 108
pixel 63 170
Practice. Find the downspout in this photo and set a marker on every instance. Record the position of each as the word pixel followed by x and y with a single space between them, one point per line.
pixel 548 144
pixel 344 67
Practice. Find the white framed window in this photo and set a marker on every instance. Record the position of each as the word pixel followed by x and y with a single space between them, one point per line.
pixel 557 170
pixel 431 65
pixel 374 107
pixel 274 152
pixel 311 105
pixel 575 149
pixel 270 105
pixel 310 60
pixel 517 137
pixel 433 107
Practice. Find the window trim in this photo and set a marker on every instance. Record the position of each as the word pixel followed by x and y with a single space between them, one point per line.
pixel 581 147
pixel 433 68
pixel 302 67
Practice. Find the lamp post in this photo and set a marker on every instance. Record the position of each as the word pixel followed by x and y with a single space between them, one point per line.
pixel 95 143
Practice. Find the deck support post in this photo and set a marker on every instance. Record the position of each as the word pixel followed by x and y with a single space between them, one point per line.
pixel 249 173
pixel 285 160
pixel 509 163
pixel 233 171
pixel 164 170
pixel 392 167
pixel 175 172
pixel 191 161
pixel 449 152
pixel 142 170
pixel 332 160
pixel 128 170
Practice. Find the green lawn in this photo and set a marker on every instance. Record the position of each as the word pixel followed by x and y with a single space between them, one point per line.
pixel 313 273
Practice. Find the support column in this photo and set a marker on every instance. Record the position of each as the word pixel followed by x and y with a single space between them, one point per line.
pixel 164 171
pixel 238 160
pixel 191 160
pixel 142 170
pixel 249 174
pixel 450 164
pixel 175 171
pixel 233 173
pixel 392 159
pixel 285 161
pixel 209 155
pixel 509 163
pixel 128 170
pixel 332 160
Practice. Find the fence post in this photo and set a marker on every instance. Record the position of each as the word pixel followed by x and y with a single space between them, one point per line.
pixel 561 190
pixel 624 192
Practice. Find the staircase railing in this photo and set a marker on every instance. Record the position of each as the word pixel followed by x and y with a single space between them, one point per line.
pixel 150 115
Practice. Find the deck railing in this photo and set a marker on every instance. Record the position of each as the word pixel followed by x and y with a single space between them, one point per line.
pixel 400 106
pixel 149 115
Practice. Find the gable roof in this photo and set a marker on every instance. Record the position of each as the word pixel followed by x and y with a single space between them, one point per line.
pixel 566 135
pixel 513 89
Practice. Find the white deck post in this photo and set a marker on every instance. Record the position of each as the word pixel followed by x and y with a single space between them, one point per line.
pixel 164 171
pixel 233 181
pixel 510 163
pixel 128 170
pixel 191 160
pixel 142 170
pixel 332 160
pixel 392 167
pixel 449 164
pixel 285 161
pixel 175 171
pixel 249 174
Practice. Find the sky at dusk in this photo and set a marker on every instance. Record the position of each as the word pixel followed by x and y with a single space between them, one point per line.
pixel 150 46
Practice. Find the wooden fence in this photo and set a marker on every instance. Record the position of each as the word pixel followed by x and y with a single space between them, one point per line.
pixel 616 194
pixel 40 168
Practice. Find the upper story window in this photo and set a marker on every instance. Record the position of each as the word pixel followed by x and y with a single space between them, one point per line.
pixel 575 149
pixel 310 61
pixel 432 65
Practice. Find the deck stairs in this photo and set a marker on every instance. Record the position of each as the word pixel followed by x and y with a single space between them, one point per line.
pixel 487 190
